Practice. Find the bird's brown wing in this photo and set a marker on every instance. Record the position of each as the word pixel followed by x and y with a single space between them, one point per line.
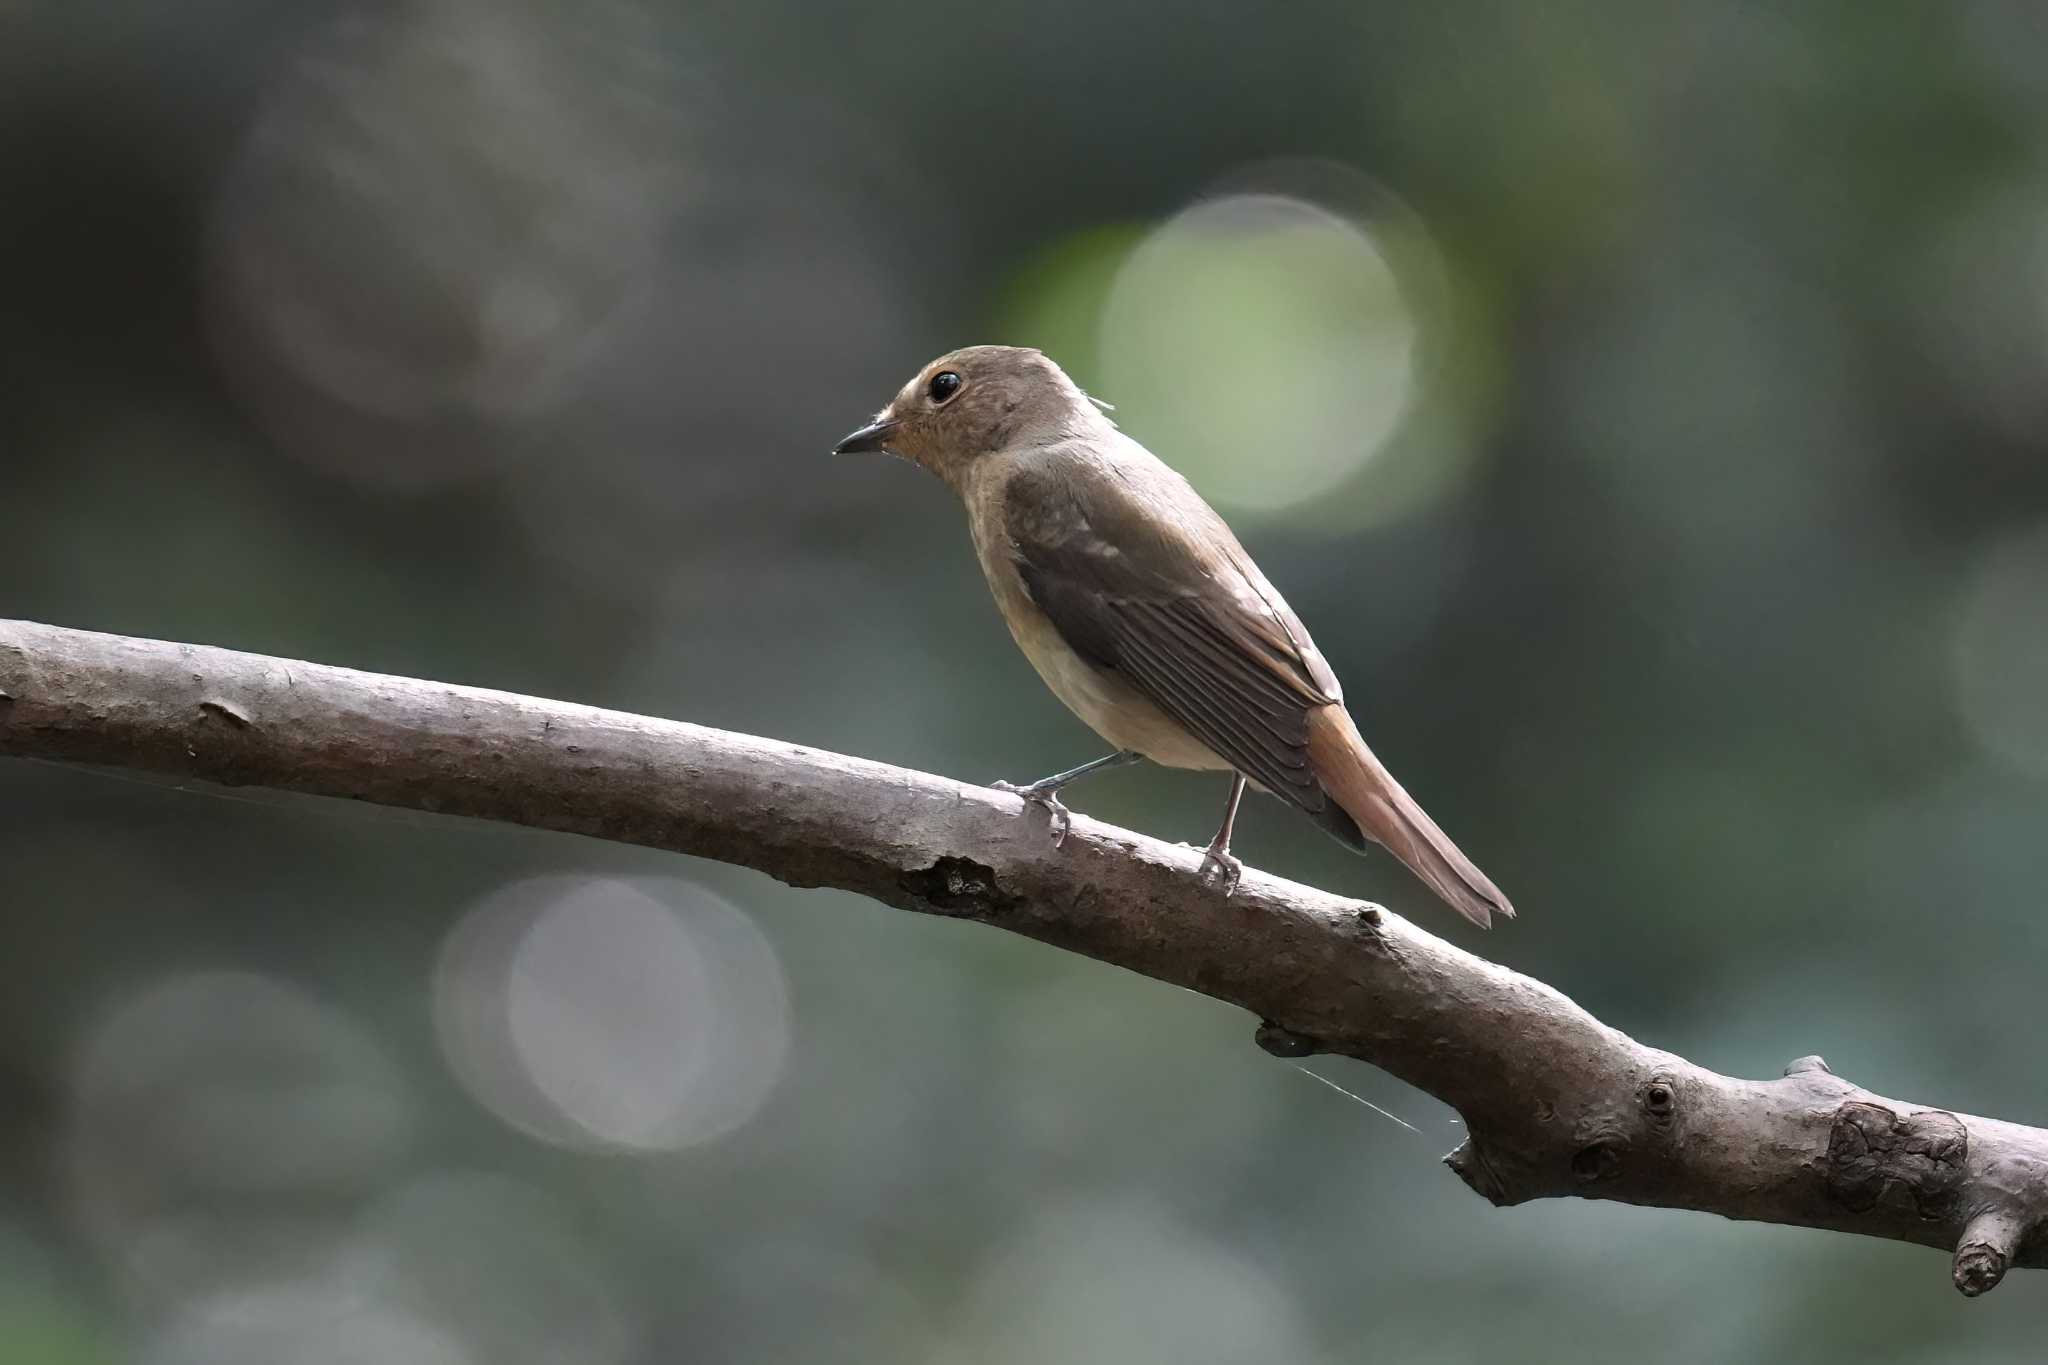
pixel 1142 579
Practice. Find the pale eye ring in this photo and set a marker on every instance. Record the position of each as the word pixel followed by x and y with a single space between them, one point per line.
pixel 943 386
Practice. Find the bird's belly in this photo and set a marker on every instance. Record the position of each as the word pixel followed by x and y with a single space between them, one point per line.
pixel 1110 706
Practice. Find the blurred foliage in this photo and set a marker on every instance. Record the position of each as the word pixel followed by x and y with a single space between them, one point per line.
pixel 1696 584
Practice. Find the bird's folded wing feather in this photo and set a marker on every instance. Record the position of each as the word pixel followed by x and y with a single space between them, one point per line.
pixel 1142 578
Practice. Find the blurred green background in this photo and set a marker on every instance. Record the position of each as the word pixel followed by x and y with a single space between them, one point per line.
pixel 1643 404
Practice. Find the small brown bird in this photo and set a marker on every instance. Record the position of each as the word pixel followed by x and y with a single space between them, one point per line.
pixel 1145 616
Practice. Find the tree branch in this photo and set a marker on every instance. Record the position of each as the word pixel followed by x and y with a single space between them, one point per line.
pixel 1554 1101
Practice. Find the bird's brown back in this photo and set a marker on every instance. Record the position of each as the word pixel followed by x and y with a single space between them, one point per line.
pixel 1141 577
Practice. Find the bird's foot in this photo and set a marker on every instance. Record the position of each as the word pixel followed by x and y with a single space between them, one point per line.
pixel 1046 796
pixel 1220 865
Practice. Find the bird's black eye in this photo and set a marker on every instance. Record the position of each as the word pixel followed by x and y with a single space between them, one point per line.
pixel 943 386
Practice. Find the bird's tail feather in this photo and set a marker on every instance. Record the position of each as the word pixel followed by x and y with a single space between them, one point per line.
pixel 1388 815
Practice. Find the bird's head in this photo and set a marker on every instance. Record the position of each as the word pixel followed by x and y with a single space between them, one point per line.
pixel 971 402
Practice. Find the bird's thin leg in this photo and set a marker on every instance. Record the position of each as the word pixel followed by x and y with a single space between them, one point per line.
pixel 1045 791
pixel 1217 861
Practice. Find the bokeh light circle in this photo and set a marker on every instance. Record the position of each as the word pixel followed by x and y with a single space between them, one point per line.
pixel 1262 343
pixel 314 1323
pixel 613 1016
pixel 498 1263
pixel 438 228
pixel 223 1123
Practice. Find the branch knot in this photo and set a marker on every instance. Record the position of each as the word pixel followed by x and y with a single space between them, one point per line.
pixel 958 886
pixel 1876 1156
pixel 1659 1100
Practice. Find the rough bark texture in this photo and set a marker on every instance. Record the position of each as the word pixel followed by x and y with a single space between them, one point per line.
pixel 1555 1102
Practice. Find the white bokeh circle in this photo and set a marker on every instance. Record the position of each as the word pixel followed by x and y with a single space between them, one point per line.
pixel 1265 342
pixel 646 1015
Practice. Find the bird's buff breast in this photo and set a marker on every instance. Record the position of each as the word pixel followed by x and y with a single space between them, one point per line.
pixel 1106 703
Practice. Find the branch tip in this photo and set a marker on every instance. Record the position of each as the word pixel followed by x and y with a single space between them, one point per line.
pixel 1990 1242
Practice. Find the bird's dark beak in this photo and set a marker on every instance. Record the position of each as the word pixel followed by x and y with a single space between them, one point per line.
pixel 869 439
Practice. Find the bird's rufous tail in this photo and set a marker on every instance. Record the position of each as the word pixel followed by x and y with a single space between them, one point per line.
pixel 1387 815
